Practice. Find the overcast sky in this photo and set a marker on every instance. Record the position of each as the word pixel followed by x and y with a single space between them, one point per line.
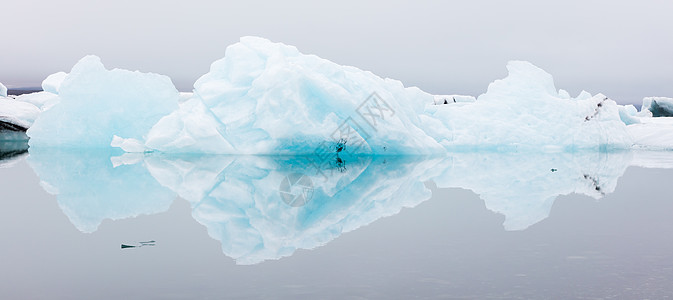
pixel 622 49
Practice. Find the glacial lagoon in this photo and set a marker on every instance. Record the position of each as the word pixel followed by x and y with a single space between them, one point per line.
pixel 586 224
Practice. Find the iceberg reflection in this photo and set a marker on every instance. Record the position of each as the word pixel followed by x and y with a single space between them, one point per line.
pixel 89 189
pixel 249 203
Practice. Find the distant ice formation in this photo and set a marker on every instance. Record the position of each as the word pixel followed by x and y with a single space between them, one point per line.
pixel 17 115
pixel 658 106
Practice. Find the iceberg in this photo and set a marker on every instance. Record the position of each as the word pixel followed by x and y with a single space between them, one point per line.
pixel 525 111
pixel 94 104
pixel 3 90
pixel 452 99
pixel 658 106
pixel 42 100
pixel 53 82
pixel 16 115
pixel 268 98
pixel 629 114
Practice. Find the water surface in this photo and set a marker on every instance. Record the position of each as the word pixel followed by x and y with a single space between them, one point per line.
pixel 468 225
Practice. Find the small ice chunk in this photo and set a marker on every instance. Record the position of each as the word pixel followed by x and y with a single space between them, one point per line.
pixel 584 95
pixel 185 96
pixel 53 82
pixel 191 128
pixel 18 113
pixel 563 94
pixel 128 145
pixel 628 114
pixel 42 100
pixel 449 99
pixel 659 106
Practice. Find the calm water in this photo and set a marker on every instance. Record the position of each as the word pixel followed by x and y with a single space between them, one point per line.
pixel 470 225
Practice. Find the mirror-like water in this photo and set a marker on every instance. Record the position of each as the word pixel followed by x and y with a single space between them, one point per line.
pixel 477 225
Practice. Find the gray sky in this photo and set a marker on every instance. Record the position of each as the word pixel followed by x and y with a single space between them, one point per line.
pixel 622 49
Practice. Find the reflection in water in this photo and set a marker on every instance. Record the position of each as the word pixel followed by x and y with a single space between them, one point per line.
pixel 139 245
pixel 241 204
pixel 13 146
pixel 243 200
pixel 523 186
pixel 89 189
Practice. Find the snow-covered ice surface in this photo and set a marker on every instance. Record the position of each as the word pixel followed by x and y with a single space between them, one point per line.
pixel 15 115
pixel 452 99
pixel 18 113
pixel 653 133
pixel 525 111
pixel 94 104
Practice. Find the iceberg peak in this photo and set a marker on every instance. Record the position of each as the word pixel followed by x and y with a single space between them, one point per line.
pixel 522 75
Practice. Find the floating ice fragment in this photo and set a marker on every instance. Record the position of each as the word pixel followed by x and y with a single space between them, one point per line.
pixel 659 106
pixel 53 82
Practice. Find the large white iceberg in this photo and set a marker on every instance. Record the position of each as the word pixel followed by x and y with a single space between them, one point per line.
pixel 265 97
pixel 3 90
pixel 94 104
pixel 268 98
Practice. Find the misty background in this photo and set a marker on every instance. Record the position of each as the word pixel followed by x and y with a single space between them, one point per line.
pixel 618 48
